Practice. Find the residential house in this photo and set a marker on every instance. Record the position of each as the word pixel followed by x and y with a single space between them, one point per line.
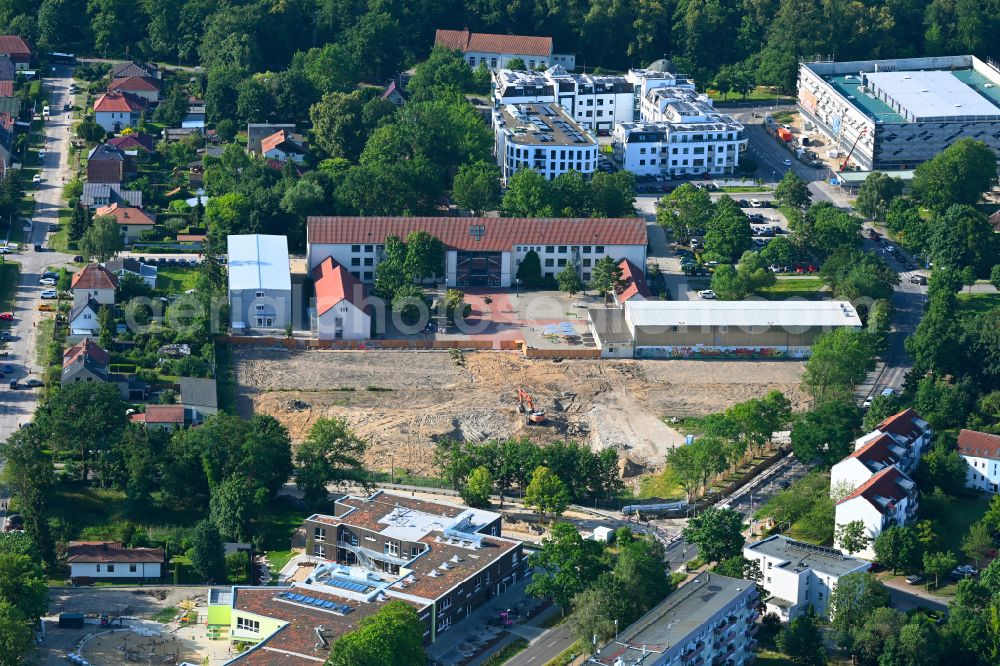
pixel 94 283
pixel 633 284
pixel 165 417
pixel 96 195
pixel 257 132
pixel 114 111
pixel 907 427
pixel 341 303
pixel 180 133
pixel 111 560
pixel 7 75
pixel 195 118
pixel 709 621
pixel 15 48
pixel 260 283
pixel 122 267
pixel 994 221
pixel 888 498
pixel 282 147
pixel 83 318
pixel 109 164
pixel 85 362
pixel 124 70
pixel 199 398
pixel 981 452
pixel 6 139
pixel 496 51
pixel 799 576
pixel 393 93
pixel 133 142
pixel 141 86
pixel 897 441
pixel 131 220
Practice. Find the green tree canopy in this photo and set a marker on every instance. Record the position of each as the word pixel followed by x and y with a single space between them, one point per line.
pixel 718 533
pixel 393 636
pixel 330 453
pixel 957 175
pixel 566 565
pixel 546 492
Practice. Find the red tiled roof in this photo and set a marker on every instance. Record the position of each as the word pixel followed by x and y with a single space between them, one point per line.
pixel 901 424
pixel 126 214
pixel 884 483
pixel 119 102
pixel 132 141
pixel 270 142
pixel 980 444
pixel 877 450
pixel 164 414
pixel 86 347
pixel 335 283
pixel 130 83
pixel 112 552
pixel 6 88
pixel 94 276
pixel 635 282
pixel 498 234
pixel 478 42
pixel 13 45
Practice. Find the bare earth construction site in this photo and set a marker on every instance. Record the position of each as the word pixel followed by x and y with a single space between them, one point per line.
pixel 401 402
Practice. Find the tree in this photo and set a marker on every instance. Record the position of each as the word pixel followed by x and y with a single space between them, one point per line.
pixel 957 175
pixel 88 130
pixel 443 73
pixel 718 533
pixel 330 453
pixel 393 636
pixel 727 233
pixel 840 359
pixel 225 129
pixel 855 598
pixel 103 240
pixel 72 191
pixel 530 271
pixel 978 542
pixel 995 276
pixel 172 110
pixel 424 256
pixel 727 285
pixel 685 212
pixel 527 195
pixel 16 635
pixel 546 492
pixel 208 553
pixel 517 64
pixel 803 641
pixel 825 434
pixel 606 276
pixel 23 584
pixel 792 191
pixel 871 639
pixel 882 407
pixel 896 547
pixel 106 320
pixel 477 186
pixel 478 488
pixel 963 238
pixel 939 564
pixel 569 280
pixel 852 536
pixel 566 565
pixel 234 505
pixel 876 193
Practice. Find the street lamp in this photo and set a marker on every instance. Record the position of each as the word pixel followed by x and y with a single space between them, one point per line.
pixel 517 286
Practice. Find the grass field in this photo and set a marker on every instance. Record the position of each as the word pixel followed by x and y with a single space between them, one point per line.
pixel 661 485
pixel 978 303
pixel 9 272
pixel 795 287
pixel 759 94
pixel 176 280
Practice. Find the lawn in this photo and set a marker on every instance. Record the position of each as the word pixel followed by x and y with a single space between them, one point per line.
pixel 760 93
pixel 662 484
pixel 953 520
pixel 977 303
pixel 176 280
pixel 79 510
pixel 277 528
pixel 746 188
pixel 810 288
pixel 59 241
pixel 9 271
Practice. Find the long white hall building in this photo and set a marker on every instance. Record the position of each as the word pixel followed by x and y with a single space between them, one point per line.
pixel 480 251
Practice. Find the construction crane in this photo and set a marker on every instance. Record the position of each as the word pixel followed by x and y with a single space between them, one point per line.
pixel 847 159
pixel 526 406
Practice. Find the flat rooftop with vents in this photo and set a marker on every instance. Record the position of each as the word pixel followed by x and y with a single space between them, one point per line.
pixel 541 124
pixel 799 556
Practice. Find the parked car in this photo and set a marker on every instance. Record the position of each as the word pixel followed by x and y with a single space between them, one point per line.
pixel 46 307
pixel 14 523
pixel 67 107
pixel 50 274
pixel 45 111
pixel 706 293
pixel 33 382
pixel 918 279
pixel 36 179
pixel 788 163
pixel 13 383
pixel 8 369
pixel 6 316
pixel 47 282
pixel 49 294
pixel 5 250
pixel 867 403
pixel 914 579
pixel 78 257
pixel 754 203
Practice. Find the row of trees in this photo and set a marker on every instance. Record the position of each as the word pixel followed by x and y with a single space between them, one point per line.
pixel 24 595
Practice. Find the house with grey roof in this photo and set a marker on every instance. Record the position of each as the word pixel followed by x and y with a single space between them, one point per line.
pixel 124 70
pixel 260 283
pixel 128 266
pixel 96 195
pixel 199 398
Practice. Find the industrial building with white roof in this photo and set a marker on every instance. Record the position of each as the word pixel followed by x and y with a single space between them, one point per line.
pixel 895 114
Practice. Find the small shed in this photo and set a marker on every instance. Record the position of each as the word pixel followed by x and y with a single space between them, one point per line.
pixel 602 534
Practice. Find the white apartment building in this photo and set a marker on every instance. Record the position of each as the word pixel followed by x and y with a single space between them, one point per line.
pixel 541 137
pixel 981 452
pixel 798 575
pixel 888 498
pixel 480 251
pixel 898 441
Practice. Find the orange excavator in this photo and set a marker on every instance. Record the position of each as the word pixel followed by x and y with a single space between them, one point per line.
pixel 526 406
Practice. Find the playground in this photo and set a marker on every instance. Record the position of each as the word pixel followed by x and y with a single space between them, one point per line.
pixel 138 644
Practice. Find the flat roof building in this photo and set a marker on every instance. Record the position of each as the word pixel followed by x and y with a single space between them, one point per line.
pixel 260 283
pixel 709 620
pixel 541 137
pixel 901 112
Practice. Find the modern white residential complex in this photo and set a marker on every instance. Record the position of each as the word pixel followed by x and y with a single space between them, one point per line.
pixel 480 251
pixel 710 620
pixel 900 113
pixel 496 51
pixel 888 498
pixel 260 284
pixel 799 575
pixel 721 329
pixel 981 452
pixel 541 137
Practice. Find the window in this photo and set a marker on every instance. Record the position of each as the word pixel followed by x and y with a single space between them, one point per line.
pixel 369 261
pixel 493 532
pixel 319 550
pixel 599 249
pixel 355 248
pixel 414 551
pixel 319 534
pixel 561 263
pixel 586 249
pixel 246 624
pixel 445 624
pixel 259 294
pixel 586 263
pixel 391 548
pixel 369 248
pixel 446 603
pixel 132 568
pixel 98 568
pixel 111 568
pixel 259 308
pixel 586 277
pixel 549 263
pixel 562 249
pixel 368 275
pixel 355 261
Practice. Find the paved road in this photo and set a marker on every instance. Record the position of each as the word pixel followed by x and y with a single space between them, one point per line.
pixel 551 644
pixel 18 406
